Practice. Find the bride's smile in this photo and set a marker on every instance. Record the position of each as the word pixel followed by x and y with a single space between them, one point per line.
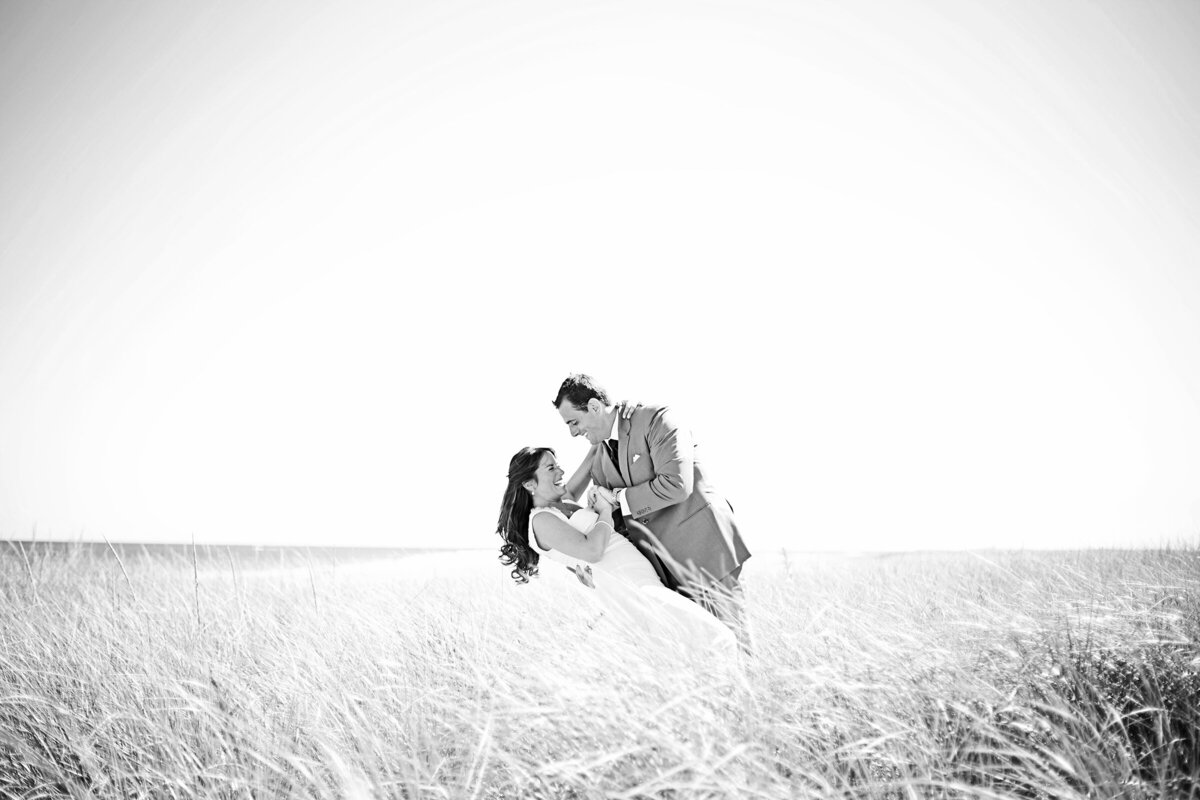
pixel 549 486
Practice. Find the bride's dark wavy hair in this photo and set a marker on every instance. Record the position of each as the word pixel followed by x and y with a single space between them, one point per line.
pixel 513 525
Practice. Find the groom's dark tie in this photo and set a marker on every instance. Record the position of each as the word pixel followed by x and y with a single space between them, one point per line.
pixel 618 519
pixel 611 446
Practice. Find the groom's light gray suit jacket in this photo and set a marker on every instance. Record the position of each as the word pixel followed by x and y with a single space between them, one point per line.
pixel 668 493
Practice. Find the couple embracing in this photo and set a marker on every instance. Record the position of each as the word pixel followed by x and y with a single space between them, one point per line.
pixel 655 540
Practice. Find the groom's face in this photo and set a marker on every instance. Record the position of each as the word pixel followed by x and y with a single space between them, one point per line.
pixel 588 421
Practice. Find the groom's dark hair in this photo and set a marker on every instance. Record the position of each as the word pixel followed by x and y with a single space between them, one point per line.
pixel 579 389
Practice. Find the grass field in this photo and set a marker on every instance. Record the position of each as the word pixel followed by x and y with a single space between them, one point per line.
pixel 942 675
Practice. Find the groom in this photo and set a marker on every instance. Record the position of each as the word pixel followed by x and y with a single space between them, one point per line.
pixel 650 462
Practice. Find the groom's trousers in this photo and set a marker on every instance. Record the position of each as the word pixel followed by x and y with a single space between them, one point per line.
pixel 724 599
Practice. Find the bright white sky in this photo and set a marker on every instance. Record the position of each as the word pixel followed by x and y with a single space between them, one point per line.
pixel 920 275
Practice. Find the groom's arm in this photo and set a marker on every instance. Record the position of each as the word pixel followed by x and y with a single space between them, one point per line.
pixel 583 475
pixel 671 454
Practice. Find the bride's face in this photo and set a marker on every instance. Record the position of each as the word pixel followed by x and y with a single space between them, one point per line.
pixel 549 487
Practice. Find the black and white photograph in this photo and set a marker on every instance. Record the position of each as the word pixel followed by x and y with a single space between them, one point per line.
pixel 600 400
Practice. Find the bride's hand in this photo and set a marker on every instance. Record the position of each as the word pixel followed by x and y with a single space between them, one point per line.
pixel 627 407
pixel 601 501
pixel 584 573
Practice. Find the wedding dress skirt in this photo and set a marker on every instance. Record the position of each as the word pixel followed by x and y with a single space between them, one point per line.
pixel 625 583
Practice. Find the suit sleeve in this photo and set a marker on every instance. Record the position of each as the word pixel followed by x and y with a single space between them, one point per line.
pixel 671 454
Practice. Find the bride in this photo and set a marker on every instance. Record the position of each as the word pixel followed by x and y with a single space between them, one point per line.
pixel 536 521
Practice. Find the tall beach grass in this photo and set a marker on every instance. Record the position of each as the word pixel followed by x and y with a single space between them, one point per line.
pixel 1073 675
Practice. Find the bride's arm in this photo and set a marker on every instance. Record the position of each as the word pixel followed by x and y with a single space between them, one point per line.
pixel 554 534
pixel 582 477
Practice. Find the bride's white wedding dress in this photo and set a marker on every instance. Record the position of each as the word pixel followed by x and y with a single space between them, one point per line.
pixel 626 582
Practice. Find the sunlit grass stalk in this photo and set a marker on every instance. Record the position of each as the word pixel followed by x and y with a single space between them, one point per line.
pixel 196 581
pixel 120 564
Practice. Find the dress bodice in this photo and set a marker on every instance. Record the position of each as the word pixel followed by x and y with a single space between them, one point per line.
pixel 621 560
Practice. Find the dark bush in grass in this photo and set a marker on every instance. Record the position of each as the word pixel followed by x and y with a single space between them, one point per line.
pixel 1148 698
